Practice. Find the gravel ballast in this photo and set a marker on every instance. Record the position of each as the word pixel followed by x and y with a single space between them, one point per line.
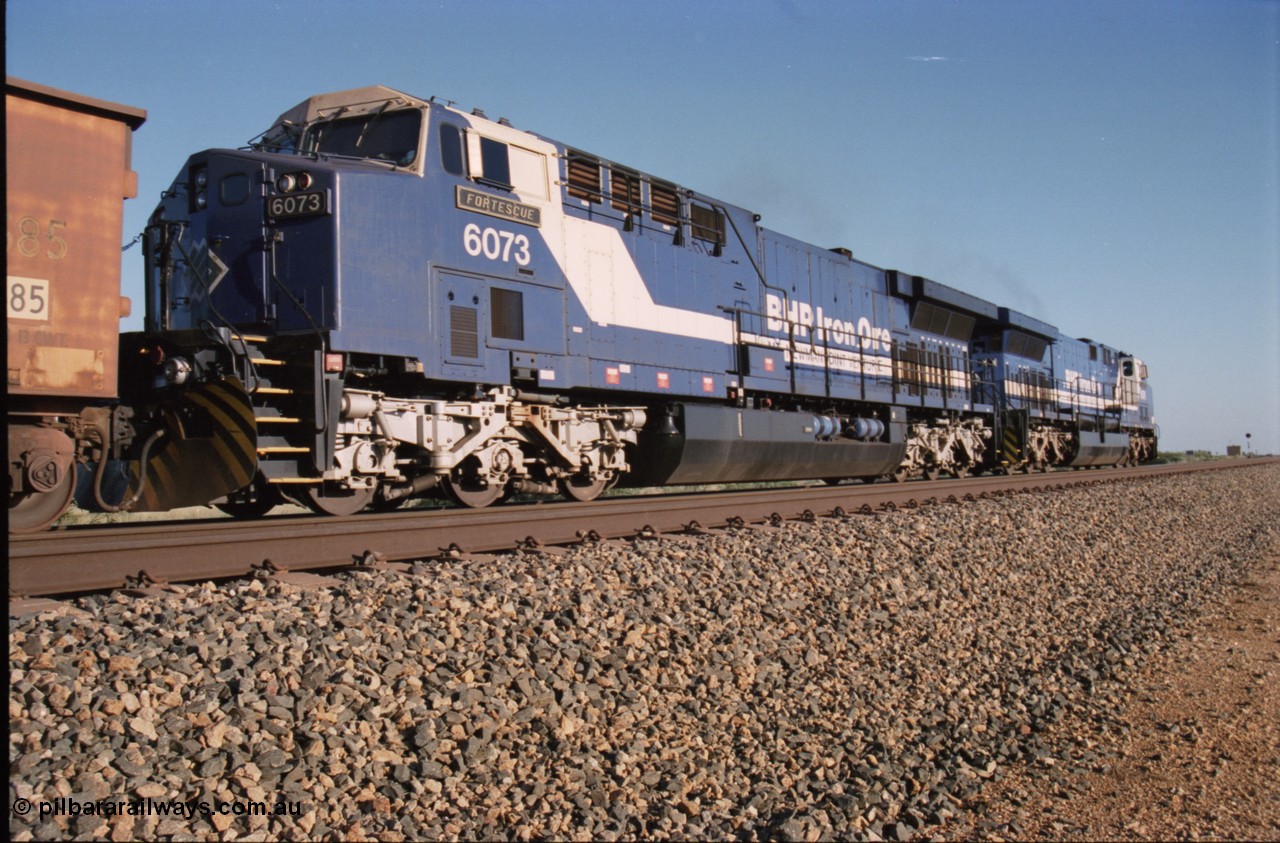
pixel 857 677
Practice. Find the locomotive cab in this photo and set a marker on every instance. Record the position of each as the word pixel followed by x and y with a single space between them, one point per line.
pixel 382 135
pixel 375 123
pixel 1129 381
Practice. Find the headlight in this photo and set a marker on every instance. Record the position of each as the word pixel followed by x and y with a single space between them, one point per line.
pixel 286 183
pixel 202 178
pixel 201 200
pixel 176 371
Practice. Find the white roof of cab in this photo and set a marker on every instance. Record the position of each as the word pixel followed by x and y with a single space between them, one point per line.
pixel 351 102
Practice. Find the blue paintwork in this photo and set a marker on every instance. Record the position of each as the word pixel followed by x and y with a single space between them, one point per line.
pixel 381 272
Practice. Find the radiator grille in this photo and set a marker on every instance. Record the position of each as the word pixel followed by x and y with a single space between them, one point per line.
pixel 464 339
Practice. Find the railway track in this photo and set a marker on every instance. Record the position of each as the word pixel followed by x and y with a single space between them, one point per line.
pixel 93 559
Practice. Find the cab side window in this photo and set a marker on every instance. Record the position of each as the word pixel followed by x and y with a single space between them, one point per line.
pixel 495 165
pixel 451 149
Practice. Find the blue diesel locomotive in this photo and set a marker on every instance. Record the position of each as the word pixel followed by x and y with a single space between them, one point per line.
pixel 415 299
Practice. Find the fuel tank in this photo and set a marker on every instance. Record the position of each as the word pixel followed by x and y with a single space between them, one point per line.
pixel 695 443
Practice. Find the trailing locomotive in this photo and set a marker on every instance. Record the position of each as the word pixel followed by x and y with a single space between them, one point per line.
pixel 415 298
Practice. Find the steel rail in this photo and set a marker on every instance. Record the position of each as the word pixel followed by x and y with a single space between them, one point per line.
pixel 100 558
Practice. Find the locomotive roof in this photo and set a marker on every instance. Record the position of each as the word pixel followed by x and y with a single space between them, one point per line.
pixel 356 101
pixel 351 101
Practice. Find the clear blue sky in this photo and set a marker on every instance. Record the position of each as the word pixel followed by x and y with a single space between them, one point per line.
pixel 1110 167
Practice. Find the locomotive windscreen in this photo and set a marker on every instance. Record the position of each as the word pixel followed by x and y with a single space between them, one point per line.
pixel 383 136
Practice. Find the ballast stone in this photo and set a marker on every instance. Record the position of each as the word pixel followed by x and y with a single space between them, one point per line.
pixel 856 678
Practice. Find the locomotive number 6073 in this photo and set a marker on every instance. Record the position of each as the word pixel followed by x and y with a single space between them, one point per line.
pixel 298 205
pixel 495 244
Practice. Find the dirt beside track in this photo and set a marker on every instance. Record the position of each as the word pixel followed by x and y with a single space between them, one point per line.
pixel 1196 754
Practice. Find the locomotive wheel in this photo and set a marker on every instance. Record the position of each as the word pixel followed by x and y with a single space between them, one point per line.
pixel 931 472
pixel 471 493
pixel 960 471
pixel 582 489
pixel 469 490
pixel 900 474
pixel 331 499
pixel 247 509
pixel 265 498
pixel 34 511
pixel 832 481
